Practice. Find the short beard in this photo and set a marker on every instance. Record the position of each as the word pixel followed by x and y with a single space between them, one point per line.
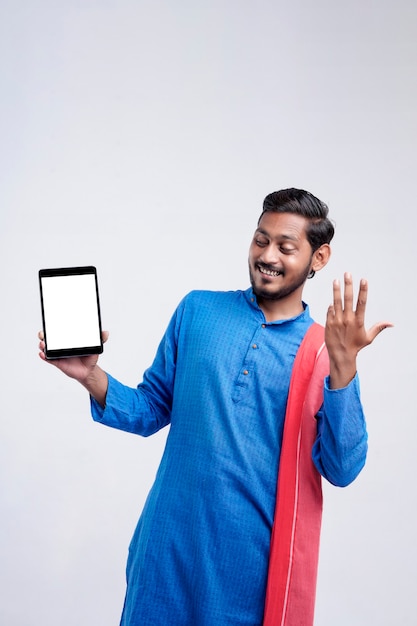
pixel 283 292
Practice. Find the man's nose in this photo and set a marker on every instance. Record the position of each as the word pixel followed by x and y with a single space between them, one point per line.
pixel 270 254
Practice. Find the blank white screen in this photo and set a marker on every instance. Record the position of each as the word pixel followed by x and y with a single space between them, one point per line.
pixel 70 311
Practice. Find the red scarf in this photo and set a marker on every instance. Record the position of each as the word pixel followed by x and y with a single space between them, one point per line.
pixel 292 576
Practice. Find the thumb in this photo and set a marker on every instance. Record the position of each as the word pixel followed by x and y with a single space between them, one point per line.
pixel 378 328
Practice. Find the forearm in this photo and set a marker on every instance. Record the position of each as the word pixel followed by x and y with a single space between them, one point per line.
pixel 134 410
pixel 96 384
pixel 339 452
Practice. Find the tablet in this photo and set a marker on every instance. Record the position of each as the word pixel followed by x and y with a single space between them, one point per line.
pixel 70 311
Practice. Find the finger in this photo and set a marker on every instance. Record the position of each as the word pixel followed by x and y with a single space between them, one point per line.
pixel 40 335
pixel 377 329
pixel 361 303
pixel 348 295
pixel 105 335
pixel 337 298
pixel 330 315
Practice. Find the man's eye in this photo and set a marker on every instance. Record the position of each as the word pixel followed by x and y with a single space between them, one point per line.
pixel 285 250
pixel 261 242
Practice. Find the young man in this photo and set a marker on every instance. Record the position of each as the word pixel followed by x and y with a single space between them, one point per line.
pixel 232 369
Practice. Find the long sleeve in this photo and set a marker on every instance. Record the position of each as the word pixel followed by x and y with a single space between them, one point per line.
pixel 147 408
pixel 340 449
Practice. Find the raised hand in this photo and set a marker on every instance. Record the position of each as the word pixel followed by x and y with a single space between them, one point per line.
pixel 345 332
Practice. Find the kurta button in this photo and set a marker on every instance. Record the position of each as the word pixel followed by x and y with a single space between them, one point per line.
pixel 263 325
pixel 254 346
pixel 246 372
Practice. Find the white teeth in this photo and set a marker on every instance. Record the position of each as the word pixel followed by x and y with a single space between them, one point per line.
pixel 268 272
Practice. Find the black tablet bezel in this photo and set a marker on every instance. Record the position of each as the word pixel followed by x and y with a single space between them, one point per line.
pixel 81 350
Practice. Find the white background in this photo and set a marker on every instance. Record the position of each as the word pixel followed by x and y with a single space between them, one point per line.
pixel 142 137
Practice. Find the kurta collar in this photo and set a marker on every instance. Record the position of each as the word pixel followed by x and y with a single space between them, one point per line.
pixel 302 317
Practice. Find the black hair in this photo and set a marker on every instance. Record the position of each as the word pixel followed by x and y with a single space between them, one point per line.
pixel 300 202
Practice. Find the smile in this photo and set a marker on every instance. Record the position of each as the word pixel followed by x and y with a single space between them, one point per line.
pixel 263 270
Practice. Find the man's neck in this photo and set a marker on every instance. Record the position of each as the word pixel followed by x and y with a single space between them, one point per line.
pixel 275 310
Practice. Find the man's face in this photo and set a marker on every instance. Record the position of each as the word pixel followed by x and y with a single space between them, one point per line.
pixel 280 256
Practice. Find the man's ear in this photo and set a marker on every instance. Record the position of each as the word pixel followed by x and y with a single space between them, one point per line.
pixel 321 257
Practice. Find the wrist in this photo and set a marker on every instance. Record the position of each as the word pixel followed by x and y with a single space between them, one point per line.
pixel 93 377
pixel 96 384
pixel 342 372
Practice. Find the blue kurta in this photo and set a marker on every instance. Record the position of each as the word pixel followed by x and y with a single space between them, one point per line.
pixel 199 555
